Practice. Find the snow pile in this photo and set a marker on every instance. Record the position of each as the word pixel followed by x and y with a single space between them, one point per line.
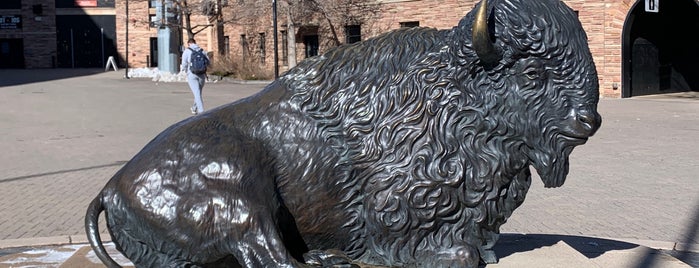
pixel 50 257
pixel 157 75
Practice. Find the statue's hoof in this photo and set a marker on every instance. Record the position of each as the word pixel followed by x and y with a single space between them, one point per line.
pixel 489 257
pixel 329 258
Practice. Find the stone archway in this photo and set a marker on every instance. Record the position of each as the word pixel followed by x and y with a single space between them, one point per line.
pixel 659 54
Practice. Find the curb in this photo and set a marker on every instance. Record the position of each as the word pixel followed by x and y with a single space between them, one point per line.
pixel 676 246
pixel 48 241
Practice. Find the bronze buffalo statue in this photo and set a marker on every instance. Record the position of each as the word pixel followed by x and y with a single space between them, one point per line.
pixel 410 149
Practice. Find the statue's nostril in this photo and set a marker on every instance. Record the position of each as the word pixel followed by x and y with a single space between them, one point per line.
pixel 589 121
pixel 586 119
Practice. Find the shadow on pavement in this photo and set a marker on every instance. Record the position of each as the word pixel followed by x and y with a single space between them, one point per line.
pixel 688 255
pixel 687 95
pixel 118 163
pixel 12 77
pixel 590 247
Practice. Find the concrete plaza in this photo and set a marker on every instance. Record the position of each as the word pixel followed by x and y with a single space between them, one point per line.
pixel 631 198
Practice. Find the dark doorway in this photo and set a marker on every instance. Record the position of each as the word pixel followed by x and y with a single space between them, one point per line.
pixel 85 41
pixel 658 50
pixel 153 62
pixel 311 44
pixel 11 53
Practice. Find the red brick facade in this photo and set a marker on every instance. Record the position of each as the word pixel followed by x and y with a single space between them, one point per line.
pixel 603 21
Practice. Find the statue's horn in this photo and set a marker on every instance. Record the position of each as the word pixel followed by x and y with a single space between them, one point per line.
pixel 481 37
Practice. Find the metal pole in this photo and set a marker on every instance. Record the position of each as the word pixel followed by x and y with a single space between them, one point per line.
pixel 276 52
pixel 72 50
pixel 126 39
pixel 102 43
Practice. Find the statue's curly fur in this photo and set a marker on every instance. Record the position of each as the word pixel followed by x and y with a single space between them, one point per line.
pixel 441 157
pixel 432 163
pixel 400 150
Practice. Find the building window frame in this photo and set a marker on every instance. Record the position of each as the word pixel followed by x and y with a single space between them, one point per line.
pixel 409 24
pixel 353 34
pixel 226 45
pixel 244 46
pixel 262 48
pixel 285 48
pixel 311 44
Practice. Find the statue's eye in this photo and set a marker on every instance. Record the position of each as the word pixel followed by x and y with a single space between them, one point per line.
pixel 530 70
pixel 531 73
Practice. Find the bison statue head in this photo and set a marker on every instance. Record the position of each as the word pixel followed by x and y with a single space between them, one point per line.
pixel 549 71
pixel 409 149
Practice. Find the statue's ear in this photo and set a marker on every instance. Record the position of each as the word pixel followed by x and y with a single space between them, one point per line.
pixel 482 44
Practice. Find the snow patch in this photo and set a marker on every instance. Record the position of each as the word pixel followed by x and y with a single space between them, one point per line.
pixel 157 75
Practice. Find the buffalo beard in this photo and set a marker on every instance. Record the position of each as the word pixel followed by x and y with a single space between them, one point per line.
pixel 551 160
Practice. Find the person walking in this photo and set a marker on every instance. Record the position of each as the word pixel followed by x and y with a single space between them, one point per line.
pixel 194 62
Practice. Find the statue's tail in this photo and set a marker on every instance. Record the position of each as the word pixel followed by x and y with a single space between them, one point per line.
pixel 93 235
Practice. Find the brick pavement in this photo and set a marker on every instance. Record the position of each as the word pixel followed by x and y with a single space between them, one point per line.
pixel 635 179
pixel 62 139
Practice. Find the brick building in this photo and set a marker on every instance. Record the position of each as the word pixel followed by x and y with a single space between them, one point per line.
pixel 640 46
pixel 56 33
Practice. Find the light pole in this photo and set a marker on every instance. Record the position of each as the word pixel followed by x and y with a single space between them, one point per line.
pixel 276 53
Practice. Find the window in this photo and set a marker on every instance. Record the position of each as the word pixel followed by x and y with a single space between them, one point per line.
pixel 311 45
pixel 226 45
pixel 38 10
pixel 105 3
pixel 410 24
pixel 209 8
pixel 285 48
pixel 353 33
pixel 244 46
pixel 153 3
pixel 262 48
pixel 11 4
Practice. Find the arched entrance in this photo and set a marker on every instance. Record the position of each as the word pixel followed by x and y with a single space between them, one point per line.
pixel 659 54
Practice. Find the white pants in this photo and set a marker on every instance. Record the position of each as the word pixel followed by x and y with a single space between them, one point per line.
pixel 196 84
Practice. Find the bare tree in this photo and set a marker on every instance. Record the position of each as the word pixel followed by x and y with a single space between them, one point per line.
pixel 189 8
pixel 345 12
pixel 291 40
pixel 329 15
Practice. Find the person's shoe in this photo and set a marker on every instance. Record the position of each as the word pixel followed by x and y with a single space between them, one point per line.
pixel 193 109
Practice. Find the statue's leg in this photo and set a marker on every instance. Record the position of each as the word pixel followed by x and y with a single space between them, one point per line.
pixel 257 242
pixel 252 220
pixel 329 258
pixel 456 256
pixel 144 255
pixel 488 256
pixel 486 250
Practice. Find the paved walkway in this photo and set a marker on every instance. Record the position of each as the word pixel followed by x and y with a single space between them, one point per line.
pixel 631 196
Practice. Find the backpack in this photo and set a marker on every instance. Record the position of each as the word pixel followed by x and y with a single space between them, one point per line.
pixel 198 62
